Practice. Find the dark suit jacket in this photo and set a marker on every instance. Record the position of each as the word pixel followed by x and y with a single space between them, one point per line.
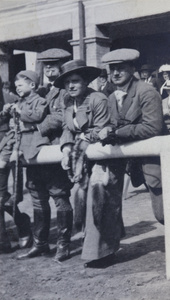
pixel 52 124
pixel 108 89
pixel 142 107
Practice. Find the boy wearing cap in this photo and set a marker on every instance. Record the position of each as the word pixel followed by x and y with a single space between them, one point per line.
pixel 30 109
pixel 51 180
pixel 136 114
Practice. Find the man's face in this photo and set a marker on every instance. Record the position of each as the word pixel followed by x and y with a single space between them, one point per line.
pixel 75 85
pixel 51 70
pixel 24 87
pixel 165 76
pixel 145 74
pixel 121 73
pixel 102 79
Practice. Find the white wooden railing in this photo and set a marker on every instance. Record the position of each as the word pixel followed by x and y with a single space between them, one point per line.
pixel 156 146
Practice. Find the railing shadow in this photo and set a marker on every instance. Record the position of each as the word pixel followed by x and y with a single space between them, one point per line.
pixel 139 228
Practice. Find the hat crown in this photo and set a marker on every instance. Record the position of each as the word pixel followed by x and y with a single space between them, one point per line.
pixel 120 56
pixel 146 67
pixel 78 66
pixel 53 54
pixel 164 68
pixel 33 76
pixel 72 65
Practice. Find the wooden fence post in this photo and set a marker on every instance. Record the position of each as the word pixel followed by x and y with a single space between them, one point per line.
pixel 165 169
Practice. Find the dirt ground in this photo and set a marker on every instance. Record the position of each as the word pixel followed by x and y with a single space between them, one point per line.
pixel 137 273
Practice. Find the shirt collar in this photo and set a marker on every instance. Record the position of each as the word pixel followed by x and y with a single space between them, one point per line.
pixel 30 98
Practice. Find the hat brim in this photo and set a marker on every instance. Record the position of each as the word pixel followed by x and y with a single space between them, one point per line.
pixel 48 59
pixel 111 62
pixel 88 73
pixel 151 70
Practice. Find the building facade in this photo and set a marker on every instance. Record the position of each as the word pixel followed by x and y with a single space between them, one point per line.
pixel 86 28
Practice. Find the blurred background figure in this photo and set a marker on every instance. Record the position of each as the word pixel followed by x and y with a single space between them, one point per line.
pixel 8 95
pixel 146 74
pixel 164 74
pixel 106 87
pixel 166 107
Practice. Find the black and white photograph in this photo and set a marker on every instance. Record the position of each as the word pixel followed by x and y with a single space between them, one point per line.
pixel 84 150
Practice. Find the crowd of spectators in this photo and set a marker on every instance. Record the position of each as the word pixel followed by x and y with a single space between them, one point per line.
pixel 130 105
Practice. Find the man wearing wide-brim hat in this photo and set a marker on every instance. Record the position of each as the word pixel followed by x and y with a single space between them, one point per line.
pixel 51 180
pixel 136 114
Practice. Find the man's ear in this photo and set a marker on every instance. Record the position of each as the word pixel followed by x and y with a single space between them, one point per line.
pixel 33 85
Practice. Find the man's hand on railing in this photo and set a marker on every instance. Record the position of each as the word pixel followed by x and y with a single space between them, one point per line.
pixel 108 136
pixel 103 134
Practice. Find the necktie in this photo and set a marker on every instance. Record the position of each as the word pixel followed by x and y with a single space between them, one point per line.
pixel 50 86
pixel 120 95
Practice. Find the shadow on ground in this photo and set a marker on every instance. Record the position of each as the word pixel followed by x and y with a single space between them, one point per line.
pixel 139 228
pixel 127 252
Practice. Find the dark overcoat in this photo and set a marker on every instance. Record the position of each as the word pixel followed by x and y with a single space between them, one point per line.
pixel 142 107
pixel 142 117
pixel 51 126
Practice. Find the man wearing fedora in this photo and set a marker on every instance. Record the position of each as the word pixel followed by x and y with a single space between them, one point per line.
pixel 51 180
pixel 106 87
pixel 136 114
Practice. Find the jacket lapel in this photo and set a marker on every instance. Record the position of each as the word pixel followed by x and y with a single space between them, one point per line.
pixel 131 109
pixel 69 114
pixel 52 94
pixel 83 110
pixel 113 108
pixel 129 99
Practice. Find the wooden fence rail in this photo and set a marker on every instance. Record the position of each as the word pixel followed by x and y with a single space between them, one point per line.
pixel 156 146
